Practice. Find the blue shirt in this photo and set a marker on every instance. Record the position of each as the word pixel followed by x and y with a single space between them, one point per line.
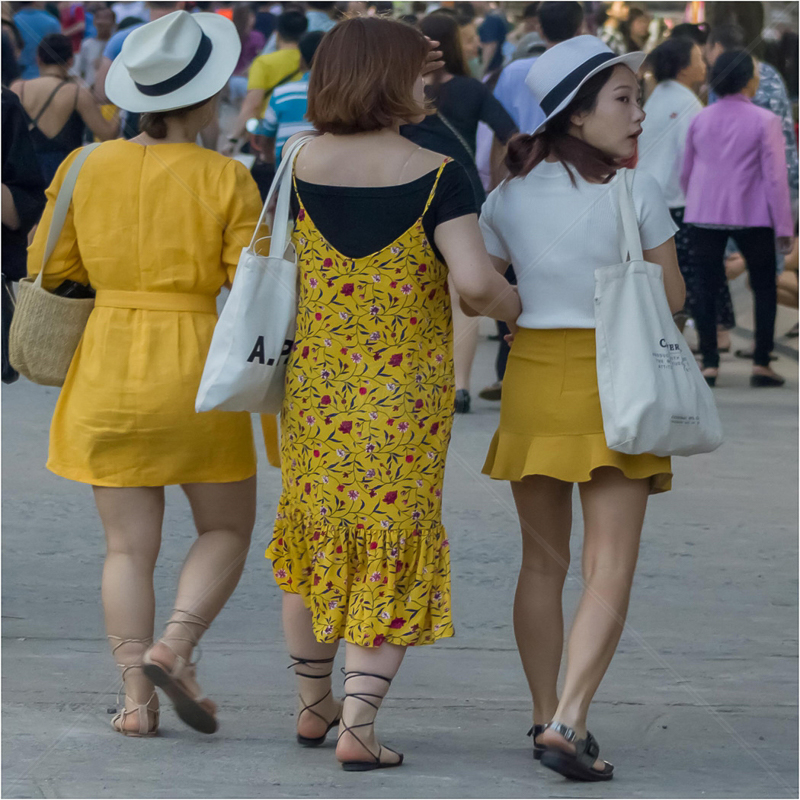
pixel 91 31
pixel 319 21
pixel 114 46
pixel 494 29
pixel 33 24
pixel 286 114
pixel 517 98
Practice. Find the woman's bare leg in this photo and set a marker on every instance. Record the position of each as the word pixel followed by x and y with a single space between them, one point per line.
pixel 544 506
pixel 224 514
pixel 301 644
pixel 384 660
pixel 613 511
pixel 132 519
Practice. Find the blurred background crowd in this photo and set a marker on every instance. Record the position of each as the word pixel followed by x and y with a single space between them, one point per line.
pixel 55 57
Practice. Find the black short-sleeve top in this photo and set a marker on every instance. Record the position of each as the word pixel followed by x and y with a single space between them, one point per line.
pixel 358 221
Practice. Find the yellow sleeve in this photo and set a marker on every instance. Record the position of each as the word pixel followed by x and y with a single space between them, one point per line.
pixel 258 76
pixel 241 213
pixel 65 262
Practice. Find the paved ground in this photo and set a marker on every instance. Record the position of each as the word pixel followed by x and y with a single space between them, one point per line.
pixel 701 699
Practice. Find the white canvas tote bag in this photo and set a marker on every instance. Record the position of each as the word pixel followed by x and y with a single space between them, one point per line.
pixel 653 396
pixel 245 368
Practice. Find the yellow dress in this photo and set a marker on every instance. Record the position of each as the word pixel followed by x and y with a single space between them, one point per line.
pixel 157 231
pixel 365 427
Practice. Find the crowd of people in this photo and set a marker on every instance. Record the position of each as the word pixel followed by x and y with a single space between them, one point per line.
pixel 461 166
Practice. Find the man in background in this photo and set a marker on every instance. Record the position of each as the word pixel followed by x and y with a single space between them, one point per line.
pixel 33 24
pixel 91 52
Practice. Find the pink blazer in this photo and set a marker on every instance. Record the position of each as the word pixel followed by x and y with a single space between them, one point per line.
pixel 734 168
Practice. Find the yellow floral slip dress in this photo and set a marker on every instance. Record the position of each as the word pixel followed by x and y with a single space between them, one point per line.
pixel 365 428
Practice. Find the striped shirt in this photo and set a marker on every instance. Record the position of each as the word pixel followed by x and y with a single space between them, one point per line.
pixel 286 114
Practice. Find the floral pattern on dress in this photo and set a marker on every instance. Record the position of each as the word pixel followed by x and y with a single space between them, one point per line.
pixel 365 428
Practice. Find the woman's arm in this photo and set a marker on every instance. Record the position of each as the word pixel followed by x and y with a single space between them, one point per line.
pixel 90 112
pixel 666 255
pixel 773 168
pixel 474 275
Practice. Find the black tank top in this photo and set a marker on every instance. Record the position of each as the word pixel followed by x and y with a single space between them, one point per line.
pixel 69 138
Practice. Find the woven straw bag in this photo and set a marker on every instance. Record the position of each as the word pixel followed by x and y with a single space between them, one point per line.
pixel 46 328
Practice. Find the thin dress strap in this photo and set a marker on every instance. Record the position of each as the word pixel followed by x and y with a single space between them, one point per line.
pixel 35 121
pixel 435 184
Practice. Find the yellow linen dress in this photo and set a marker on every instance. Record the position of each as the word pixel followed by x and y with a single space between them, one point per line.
pixel 365 428
pixel 157 231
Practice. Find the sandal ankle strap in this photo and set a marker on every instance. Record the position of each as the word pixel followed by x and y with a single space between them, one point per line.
pixel 300 662
pixel 570 734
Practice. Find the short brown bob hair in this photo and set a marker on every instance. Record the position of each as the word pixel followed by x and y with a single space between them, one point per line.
pixel 364 74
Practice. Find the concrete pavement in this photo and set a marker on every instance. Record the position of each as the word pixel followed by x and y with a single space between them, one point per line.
pixel 700 700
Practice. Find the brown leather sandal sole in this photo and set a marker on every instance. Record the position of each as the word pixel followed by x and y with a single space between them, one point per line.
pixel 190 710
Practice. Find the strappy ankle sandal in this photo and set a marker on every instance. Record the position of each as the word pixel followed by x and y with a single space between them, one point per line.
pixel 376 763
pixel 538 749
pixel 145 729
pixel 308 741
pixel 179 681
pixel 577 766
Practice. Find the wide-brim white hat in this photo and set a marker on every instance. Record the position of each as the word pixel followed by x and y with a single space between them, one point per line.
pixel 559 72
pixel 172 62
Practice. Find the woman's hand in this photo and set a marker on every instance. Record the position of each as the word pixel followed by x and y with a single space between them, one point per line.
pixel 513 330
pixel 785 244
pixel 432 62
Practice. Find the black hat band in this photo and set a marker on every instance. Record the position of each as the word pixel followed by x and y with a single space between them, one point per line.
pixel 553 99
pixel 180 80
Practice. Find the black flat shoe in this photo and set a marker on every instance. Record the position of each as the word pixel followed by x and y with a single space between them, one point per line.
pixel 711 380
pixel 463 401
pixel 577 766
pixel 538 749
pixel 764 381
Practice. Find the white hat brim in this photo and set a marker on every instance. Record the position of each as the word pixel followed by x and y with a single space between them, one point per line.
pixel 226 47
pixel 632 60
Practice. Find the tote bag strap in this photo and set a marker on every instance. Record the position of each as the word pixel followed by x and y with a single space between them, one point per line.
pixel 283 178
pixel 62 205
pixel 631 242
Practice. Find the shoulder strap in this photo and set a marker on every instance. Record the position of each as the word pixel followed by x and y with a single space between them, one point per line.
pixel 456 133
pixel 631 242
pixel 283 178
pixel 62 205
pixel 435 184
pixel 35 121
pixel 283 80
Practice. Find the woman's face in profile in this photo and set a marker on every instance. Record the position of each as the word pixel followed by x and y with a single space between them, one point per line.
pixel 470 43
pixel 615 123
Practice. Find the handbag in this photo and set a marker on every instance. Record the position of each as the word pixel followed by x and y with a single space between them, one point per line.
pixel 9 374
pixel 245 368
pixel 47 327
pixel 653 396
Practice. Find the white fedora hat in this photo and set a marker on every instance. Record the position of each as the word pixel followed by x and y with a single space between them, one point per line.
pixel 559 72
pixel 172 62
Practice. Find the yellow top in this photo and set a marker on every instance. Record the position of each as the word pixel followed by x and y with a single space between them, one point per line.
pixel 157 231
pixel 272 69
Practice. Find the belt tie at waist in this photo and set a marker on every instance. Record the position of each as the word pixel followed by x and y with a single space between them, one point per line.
pixel 156 301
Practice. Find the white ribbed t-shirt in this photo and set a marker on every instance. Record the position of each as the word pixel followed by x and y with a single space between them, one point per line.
pixel 556 235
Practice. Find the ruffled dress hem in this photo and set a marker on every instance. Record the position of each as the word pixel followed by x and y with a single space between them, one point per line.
pixel 369 584
pixel 572 458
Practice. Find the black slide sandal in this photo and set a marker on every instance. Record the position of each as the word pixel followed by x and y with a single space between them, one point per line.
pixel 577 766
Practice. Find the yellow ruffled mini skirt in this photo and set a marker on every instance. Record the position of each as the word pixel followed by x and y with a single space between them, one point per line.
pixel 550 417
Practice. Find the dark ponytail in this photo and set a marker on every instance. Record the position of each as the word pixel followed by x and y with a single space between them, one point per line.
pixel 526 151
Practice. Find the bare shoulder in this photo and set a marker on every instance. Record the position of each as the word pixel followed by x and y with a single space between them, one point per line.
pixel 430 160
pixel 292 139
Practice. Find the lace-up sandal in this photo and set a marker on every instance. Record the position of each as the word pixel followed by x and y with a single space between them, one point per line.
pixel 316 741
pixel 143 710
pixel 538 749
pixel 179 681
pixel 375 763
pixel 577 766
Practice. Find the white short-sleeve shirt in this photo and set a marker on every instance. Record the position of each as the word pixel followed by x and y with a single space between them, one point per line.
pixel 556 235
